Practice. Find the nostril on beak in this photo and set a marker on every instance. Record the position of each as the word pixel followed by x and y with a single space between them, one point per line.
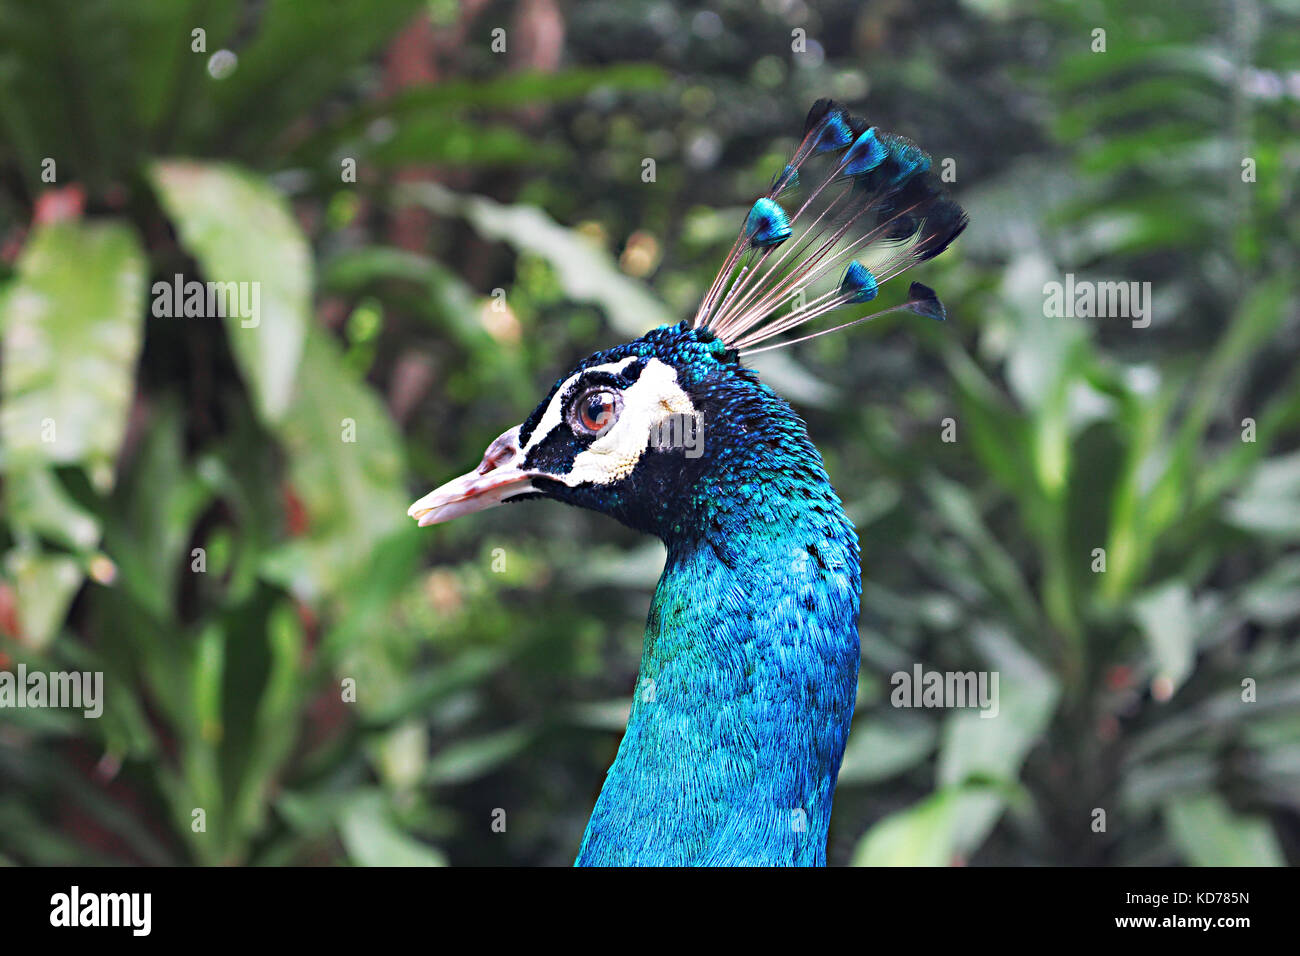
pixel 504 449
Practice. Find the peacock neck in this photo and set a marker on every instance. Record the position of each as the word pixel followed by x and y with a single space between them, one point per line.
pixel 747 679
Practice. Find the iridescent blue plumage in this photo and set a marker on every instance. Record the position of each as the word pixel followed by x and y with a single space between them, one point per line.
pixel 866 153
pixel 835 132
pixel 787 178
pixel 859 285
pixel 767 224
pixel 901 160
pixel 745 693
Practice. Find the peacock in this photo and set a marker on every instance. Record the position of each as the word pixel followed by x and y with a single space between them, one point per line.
pixel 749 669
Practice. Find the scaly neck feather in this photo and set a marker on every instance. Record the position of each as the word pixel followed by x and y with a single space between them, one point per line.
pixel 749 670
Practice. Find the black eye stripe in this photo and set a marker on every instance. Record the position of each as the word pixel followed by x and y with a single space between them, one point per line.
pixel 555 452
pixel 618 380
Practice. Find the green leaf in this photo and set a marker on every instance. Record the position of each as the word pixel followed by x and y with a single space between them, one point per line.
pixel 986 747
pixel 65 90
pixel 35 501
pixel 957 507
pixel 1145 147
pixel 45 585
pixel 452 142
pixel 420 691
pixel 1273 598
pixel 152 514
pixel 1269 503
pixel 1210 834
pixel 1253 325
pixel 511 90
pixel 372 838
pixel 442 293
pixel 241 230
pixel 1147 57
pixel 275 728
pixel 31 837
pixel 922 835
pixel 354 270
pixel 72 325
pixel 429 106
pixel 586 272
pixel 345 464
pixel 470 759
pixel 299 54
pixel 169 80
pixel 879 749
pixel 401 755
pixel 1156 95
pixel 207 669
pixel 1168 624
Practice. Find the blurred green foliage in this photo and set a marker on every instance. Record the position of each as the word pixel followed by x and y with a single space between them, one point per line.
pixel 218 522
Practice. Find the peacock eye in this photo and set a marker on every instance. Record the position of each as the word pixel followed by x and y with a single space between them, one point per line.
pixel 596 411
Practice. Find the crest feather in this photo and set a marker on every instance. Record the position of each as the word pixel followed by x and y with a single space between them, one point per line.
pixel 875 211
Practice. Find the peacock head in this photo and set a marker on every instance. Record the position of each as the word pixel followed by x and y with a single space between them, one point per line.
pixel 657 430
pixel 623 433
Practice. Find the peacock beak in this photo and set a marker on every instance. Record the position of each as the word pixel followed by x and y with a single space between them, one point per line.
pixel 499 477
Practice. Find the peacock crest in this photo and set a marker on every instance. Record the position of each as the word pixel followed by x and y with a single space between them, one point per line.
pixel 873 211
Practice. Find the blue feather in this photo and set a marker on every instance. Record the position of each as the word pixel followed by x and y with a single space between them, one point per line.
pixel 767 224
pixel 866 153
pixel 924 301
pixel 859 281
pixel 835 133
pixel 788 178
pixel 905 160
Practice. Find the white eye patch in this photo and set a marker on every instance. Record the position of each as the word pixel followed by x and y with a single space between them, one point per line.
pixel 648 402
